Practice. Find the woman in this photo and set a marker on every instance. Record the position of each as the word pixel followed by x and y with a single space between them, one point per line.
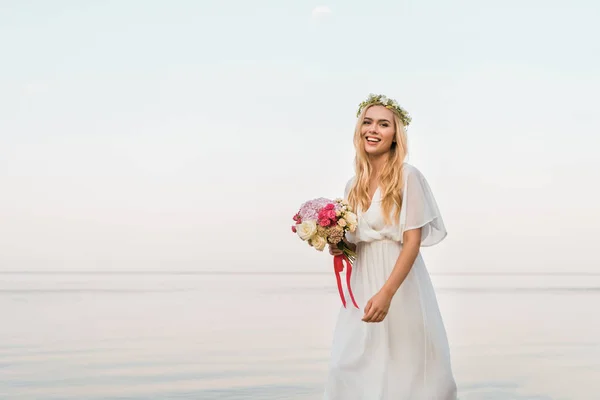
pixel 395 347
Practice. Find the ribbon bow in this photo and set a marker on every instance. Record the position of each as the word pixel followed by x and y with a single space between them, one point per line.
pixel 338 266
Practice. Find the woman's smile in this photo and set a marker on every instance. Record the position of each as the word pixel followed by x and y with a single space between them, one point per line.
pixel 372 140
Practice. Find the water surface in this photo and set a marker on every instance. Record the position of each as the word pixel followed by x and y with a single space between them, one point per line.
pixel 203 335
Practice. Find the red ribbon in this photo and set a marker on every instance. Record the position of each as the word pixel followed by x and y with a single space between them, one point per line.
pixel 338 266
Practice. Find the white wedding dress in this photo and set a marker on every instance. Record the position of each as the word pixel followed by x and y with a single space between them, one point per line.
pixel 406 356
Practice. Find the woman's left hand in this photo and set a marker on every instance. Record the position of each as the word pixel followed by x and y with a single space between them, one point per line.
pixel 377 308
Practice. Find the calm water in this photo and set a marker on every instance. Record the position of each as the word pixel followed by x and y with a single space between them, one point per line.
pixel 267 336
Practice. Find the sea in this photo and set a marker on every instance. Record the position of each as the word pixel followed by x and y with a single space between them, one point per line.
pixel 266 335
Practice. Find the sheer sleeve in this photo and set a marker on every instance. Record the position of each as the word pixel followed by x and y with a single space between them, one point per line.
pixel 419 209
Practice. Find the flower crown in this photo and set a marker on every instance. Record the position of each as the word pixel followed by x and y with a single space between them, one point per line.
pixel 382 100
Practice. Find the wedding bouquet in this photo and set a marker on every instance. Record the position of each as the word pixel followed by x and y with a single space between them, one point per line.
pixel 321 221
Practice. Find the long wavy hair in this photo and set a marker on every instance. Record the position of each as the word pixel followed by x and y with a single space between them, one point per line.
pixel 390 178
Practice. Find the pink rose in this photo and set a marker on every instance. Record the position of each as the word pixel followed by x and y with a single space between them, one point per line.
pixel 330 206
pixel 331 214
pixel 294 228
pixel 324 222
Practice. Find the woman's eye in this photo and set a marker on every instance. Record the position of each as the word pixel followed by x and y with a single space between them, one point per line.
pixel 384 125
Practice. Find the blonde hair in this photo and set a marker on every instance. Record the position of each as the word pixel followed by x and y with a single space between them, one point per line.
pixel 390 178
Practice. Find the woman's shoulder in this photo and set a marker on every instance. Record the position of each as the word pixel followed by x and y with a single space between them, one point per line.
pixel 409 169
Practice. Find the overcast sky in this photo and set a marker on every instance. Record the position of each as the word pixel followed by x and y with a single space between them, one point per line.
pixel 183 135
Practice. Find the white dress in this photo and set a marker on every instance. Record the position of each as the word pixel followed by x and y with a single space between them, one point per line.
pixel 406 356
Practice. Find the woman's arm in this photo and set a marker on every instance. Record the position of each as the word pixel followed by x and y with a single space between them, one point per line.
pixel 405 261
pixel 377 308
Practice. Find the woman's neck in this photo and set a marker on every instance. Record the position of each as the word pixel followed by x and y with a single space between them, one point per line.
pixel 377 163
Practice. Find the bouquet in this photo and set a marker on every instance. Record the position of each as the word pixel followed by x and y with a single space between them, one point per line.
pixel 321 221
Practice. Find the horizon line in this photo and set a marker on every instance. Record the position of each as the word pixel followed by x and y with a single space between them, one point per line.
pixel 275 272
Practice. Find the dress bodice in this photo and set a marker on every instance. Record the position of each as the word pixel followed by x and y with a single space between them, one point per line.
pixel 419 210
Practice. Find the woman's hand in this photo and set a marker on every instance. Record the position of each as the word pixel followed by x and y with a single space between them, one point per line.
pixel 334 250
pixel 377 308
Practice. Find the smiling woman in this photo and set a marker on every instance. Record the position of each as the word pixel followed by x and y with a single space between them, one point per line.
pixel 396 347
pixel 378 116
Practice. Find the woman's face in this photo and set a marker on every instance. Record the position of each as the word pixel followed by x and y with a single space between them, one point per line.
pixel 378 130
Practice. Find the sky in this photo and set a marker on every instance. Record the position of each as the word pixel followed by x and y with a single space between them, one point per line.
pixel 184 135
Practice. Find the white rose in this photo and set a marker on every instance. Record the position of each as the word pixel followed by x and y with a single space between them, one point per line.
pixel 306 229
pixel 350 218
pixel 351 227
pixel 318 242
pixel 342 222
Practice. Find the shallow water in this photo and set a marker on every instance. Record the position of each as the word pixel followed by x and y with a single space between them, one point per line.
pixel 267 336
